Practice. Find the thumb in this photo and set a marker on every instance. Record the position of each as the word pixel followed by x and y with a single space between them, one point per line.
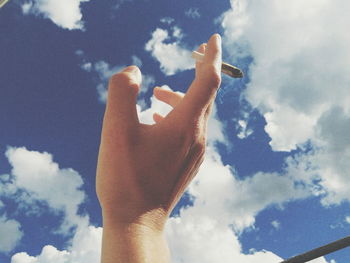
pixel 122 93
pixel 203 89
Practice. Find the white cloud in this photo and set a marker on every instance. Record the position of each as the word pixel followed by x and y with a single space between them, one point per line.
pixel 201 239
pixel 324 171
pixel 85 247
pixel 37 175
pixel 168 50
pixel 193 13
pixel 10 234
pixel 43 180
pixel 219 207
pixel 300 63
pixel 299 81
pixel 222 194
pixel 64 13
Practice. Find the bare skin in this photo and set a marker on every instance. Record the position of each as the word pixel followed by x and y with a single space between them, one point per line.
pixel 143 169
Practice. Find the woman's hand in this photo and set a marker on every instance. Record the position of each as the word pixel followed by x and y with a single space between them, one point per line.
pixel 143 169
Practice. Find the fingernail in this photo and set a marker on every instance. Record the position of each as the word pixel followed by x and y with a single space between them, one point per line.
pixel 217 36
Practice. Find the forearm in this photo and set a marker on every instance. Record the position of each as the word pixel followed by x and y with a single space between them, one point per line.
pixel 133 243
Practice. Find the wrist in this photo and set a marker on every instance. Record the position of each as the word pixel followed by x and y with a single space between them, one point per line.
pixel 154 219
pixel 133 242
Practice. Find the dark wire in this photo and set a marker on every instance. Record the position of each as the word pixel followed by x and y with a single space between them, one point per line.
pixel 319 252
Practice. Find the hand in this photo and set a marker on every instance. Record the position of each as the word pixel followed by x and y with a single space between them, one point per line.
pixel 143 169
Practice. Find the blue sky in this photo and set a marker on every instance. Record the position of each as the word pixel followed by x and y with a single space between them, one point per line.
pixel 275 181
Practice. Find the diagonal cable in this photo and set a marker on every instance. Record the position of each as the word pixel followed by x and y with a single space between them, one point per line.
pixel 319 252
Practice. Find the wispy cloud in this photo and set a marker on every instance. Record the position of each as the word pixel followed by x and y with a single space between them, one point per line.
pixel 104 71
pixel 167 20
pixel 193 13
pixel 276 224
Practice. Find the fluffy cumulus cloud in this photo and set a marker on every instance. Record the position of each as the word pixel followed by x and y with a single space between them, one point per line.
pixel 64 13
pixel 85 248
pixel 301 62
pixel 222 194
pixel 299 80
pixel 219 213
pixel 41 179
pixel 223 206
pixel 167 49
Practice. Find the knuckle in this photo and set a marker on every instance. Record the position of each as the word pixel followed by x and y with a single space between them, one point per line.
pixel 197 137
pixel 198 146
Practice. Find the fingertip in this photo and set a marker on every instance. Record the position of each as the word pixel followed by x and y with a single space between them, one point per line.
pixel 217 36
pixel 121 83
pixel 131 69
pixel 215 40
pixel 213 50
pixel 123 88
pixel 135 72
